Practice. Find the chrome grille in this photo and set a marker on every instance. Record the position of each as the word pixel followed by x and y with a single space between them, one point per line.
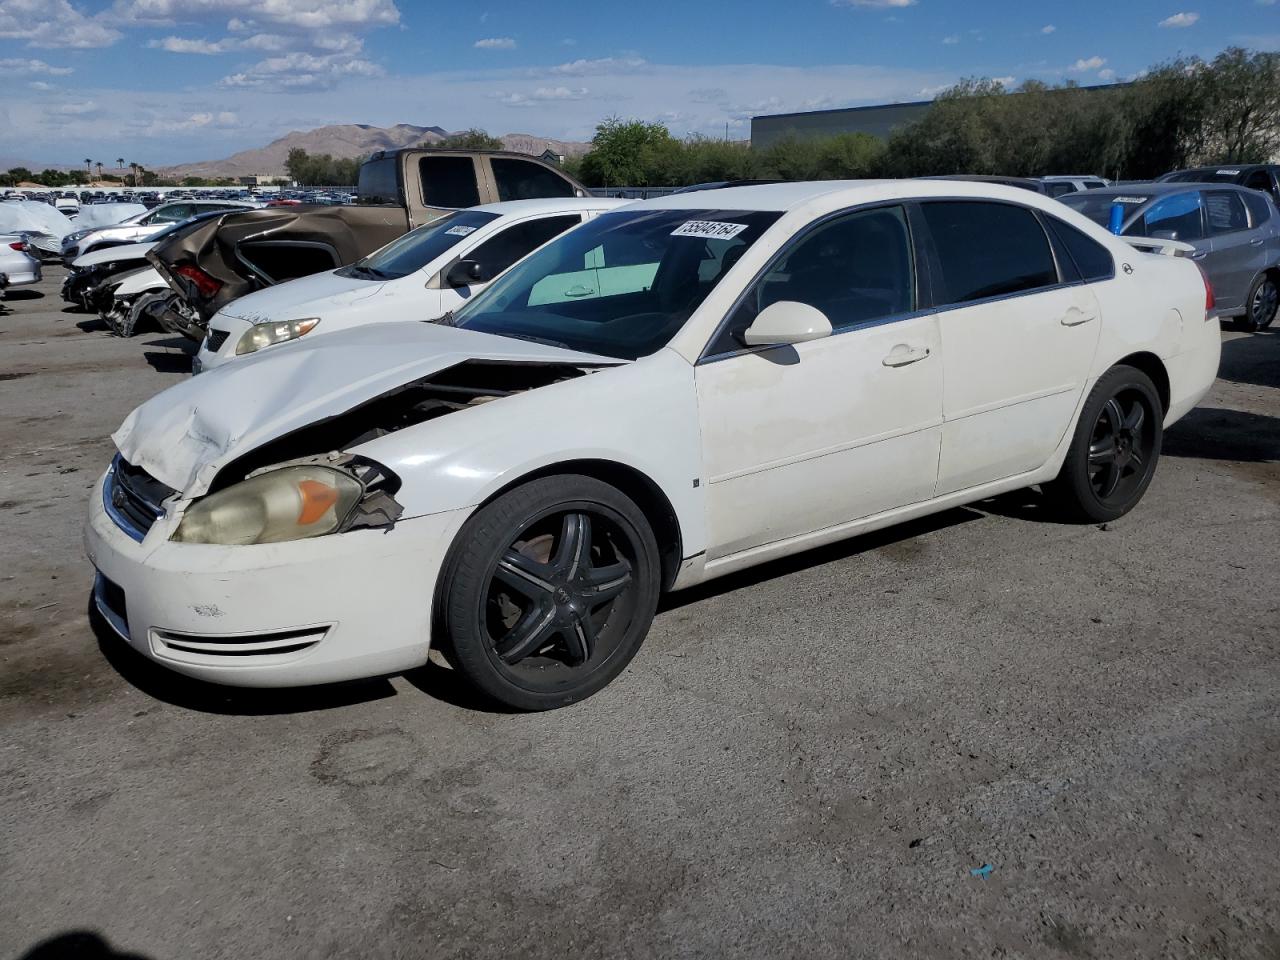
pixel 133 498
pixel 216 339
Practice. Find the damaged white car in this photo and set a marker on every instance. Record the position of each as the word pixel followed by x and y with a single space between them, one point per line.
pixel 674 391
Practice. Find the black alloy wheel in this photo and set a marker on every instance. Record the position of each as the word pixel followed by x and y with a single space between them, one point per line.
pixel 1114 450
pixel 549 592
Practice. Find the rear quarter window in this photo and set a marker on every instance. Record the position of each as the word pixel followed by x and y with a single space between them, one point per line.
pixel 1091 259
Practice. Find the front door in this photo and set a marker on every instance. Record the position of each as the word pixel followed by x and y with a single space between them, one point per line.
pixel 1237 252
pixel 800 438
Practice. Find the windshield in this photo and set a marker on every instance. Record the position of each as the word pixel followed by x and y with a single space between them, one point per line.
pixel 1097 206
pixel 1225 175
pixel 419 247
pixel 621 285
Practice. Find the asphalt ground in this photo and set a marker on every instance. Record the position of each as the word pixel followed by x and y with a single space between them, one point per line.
pixel 811 759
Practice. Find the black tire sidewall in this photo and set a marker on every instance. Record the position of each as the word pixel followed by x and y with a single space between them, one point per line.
pixel 465 578
pixel 1072 489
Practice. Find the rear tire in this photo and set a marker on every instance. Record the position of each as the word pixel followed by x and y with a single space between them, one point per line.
pixel 548 592
pixel 1262 302
pixel 1114 450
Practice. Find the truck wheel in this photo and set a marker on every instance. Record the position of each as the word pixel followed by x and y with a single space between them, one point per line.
pixel 548 592
pixel 1114 450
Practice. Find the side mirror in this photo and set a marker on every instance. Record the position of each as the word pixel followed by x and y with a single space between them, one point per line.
pixel 1164 234
pixel 787 322
pixel 464 273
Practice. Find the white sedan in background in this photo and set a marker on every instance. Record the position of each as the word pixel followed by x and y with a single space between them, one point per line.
pixel 767 369
pixel 17 266
pixel 420 276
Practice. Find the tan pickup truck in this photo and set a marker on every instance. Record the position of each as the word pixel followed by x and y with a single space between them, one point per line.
pixel 220 259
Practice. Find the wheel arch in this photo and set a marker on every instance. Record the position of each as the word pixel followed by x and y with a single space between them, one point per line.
pixel 643 491
pixel 1153 367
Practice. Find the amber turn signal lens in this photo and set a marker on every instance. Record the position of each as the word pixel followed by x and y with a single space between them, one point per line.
pixel 317 497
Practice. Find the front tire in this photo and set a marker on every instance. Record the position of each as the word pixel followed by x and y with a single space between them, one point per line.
pixel 1114 450
pixel 548 592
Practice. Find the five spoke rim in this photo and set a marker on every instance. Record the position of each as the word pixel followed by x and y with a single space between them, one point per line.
pixel 1265 300
pixel 554 595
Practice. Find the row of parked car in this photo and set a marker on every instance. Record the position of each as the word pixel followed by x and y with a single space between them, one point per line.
pixel 503 428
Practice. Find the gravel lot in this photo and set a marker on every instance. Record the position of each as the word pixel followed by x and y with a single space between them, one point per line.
pixel 806 760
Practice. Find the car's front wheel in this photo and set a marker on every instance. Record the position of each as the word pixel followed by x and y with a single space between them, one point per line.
pixel 548 592
pixel 1114 450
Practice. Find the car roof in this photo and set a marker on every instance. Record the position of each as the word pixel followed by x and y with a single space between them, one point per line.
pixel 523 208
pixel 1158 188
pixel 836 194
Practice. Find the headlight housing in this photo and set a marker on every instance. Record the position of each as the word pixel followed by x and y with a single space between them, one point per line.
pixel 291 503
pixel 265 334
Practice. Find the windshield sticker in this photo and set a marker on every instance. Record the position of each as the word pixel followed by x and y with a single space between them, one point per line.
pixel 1130 200
pixel 1228 173
pixel 710 229
pixel 460 231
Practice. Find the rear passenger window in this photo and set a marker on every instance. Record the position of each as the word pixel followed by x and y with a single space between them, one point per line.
pixel 1259 206
pixel 522 180
pixel 448 182
pixel 1225 211
pixel 1090 258
pixel 987 250
pixel 1173 218
pixel 499 252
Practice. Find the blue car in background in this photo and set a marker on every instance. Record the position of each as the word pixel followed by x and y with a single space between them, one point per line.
pixel 1235 232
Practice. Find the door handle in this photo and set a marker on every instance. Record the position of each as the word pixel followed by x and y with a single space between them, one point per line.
pixel 579 291
pixel 1257 242
pixel 1075 317
pixel 1199 255
pixel 902 355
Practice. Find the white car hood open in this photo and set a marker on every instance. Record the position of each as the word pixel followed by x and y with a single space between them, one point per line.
pixel 304 297
pixel 184 435
pixel 123 251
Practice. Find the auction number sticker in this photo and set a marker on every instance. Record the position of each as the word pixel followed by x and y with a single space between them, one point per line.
pixel 1228 173
pixel 1130 200
pixel 460 231
pixel 710 229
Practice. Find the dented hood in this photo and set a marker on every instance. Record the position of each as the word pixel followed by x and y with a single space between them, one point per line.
pixel 184 435
pixel 317 295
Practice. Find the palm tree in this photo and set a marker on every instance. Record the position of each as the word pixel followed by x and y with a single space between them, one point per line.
pixel 99 166
pixel 120 166
pixel 134 168
pixel 88 168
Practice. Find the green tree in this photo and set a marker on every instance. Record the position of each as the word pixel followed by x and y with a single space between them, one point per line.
pixel 472 139
pixel 625 153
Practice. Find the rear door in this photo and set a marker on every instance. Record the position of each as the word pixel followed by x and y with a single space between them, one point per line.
pixel 1237 251
pixel 1018 337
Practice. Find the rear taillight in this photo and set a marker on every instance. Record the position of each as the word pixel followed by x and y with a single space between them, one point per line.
pixel 18 245
pixel 1209 303
pixel 205 285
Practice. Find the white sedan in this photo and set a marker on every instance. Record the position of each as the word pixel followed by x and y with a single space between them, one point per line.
pixel 674 391
pixel 419 276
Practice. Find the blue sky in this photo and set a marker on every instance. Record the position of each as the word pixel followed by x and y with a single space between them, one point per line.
pixel 166 81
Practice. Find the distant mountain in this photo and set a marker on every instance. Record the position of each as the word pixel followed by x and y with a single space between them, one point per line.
pixel 349 140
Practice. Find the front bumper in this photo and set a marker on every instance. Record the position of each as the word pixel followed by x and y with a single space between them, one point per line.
pixel 313 611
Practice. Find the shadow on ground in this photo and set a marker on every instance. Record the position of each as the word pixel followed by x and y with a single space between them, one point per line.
pixel 1212 433
pixel 77 945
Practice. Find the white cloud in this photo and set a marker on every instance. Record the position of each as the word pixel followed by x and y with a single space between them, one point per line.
pixel 1084 66
pixel 53 23
pixel 263 42
pixel 183 45
pixel 74 109
pixel 875 4
pixel 1048 29
pixel 1107 74
pixel 1005 81
pixel 539 96
pixel 40 85
pixel 495 43
pixel 951 40
pixel 20 67
pixel 307 15
pixel 578 68
pixel 1180 20
pixel 223 119
pixel 302 71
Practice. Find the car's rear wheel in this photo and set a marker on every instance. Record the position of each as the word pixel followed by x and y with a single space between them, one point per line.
pixel 1114 449
pixel 1262 303
pixel 549 592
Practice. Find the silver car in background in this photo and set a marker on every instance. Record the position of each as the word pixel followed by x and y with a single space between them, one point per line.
pixel 17 266
pixel 1235 232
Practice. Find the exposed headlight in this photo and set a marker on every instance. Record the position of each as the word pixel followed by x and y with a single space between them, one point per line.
pixel 291 503
pixel 265 334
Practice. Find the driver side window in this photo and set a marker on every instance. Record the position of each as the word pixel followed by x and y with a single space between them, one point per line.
pixel 855 268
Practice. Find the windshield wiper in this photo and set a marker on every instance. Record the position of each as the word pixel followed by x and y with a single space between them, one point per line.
pixel 445 319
